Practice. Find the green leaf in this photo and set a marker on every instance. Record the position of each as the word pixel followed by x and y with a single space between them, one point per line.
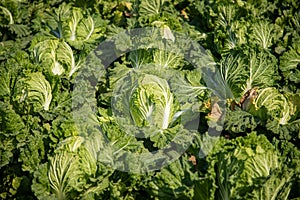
pixel 11 124
pixel 41 185
pixel 262 34
pixel 8 13
pixel 278 186
pixel 38 91
pixel 62 174
pixel 239 122
pixel 175 181
pixel 148 7
pixel 33 152
pixel 152 102
pixel 234 74
pixel 83 29
pixel 189 88
pixel 58 56
pixel 271 102
pixel 289 64
pixel 139 58
pixel 245 168
pixel 148 101
pixel 262 71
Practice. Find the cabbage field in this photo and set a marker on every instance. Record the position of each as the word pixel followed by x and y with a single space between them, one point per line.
pixel 150 99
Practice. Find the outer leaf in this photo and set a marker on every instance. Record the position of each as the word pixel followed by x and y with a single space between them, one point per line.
pixel 230 32
pixel 11 125
pixel 148 7
pixel 73 23
pixel 289 64
pixel 5 87
pixel 8 13
pixel 12 71
pixel 32 154
pixel 270 102
pixel 58 55
pixel 66 55
pixel 278 186
pixel 232 69
pixel 174 181
pixel 41 185
pixel 262 71
pixel 189 88
pixel 39 90
pixel 239 122
pixel 240 167
pixel 83 29
pixel 241 72
pixel 139 58
pixel 62 174
pixel 46 52
pixel 166 59
pixel 56 20
pixel 262 34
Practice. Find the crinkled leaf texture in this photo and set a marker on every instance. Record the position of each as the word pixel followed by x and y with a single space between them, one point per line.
pixel 72 172
pixel 58 56
pixel 77 26
pixel 270 104
pixel 239 122
pixel 11 124
pixel 36 90
pixel 245 168
pixel 152 102
pixel 151 7
pixel 83 29
pixel 243 71
pixel 174 181
pixel 289 63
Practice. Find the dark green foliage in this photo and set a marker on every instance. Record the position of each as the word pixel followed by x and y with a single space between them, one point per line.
pixel 69 120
